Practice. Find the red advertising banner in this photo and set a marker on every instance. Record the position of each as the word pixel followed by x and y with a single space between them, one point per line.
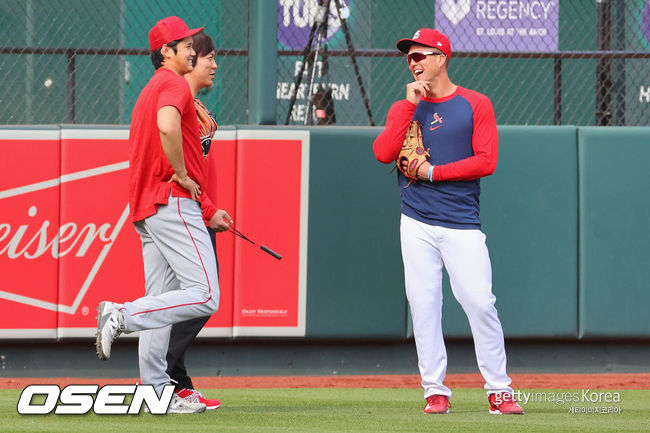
pixel 272 291
pixel 98 258
pixel 29 214
pixel 222 163
pixel 66 243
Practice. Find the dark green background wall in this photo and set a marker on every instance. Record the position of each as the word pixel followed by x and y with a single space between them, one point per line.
pixel 354 276
pixel 614 232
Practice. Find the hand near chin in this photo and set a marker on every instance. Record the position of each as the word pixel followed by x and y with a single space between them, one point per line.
pixel 416 90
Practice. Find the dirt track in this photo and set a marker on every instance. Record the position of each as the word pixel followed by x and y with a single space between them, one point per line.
pixel 519 381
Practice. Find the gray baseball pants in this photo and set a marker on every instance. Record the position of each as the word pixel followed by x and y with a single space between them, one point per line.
pixel 180 280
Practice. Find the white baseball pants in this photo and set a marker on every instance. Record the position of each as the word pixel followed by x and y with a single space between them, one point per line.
pixel 180 280
pixel 425 249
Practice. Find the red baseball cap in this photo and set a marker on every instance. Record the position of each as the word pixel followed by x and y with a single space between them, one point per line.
pixel 167 30
pixel 429 37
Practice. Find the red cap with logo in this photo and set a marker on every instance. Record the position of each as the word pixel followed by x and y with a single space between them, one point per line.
pixel 167 30
pixel 429 37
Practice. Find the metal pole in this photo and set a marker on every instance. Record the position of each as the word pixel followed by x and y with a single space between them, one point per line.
pixel 604 68
pixel 29 82
pixel 123 63
pixel 557 91
pixel 71 85
pixel 262 59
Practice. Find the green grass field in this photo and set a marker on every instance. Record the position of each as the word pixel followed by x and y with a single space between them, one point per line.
pixel 344 410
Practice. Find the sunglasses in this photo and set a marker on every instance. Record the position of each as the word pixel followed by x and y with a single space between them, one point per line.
pixel 418 56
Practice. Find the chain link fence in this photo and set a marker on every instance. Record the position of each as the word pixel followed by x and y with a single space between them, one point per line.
pixel 541 62
pixel 85 61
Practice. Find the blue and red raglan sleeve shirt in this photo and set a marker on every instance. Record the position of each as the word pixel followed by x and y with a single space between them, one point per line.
pixel 461 134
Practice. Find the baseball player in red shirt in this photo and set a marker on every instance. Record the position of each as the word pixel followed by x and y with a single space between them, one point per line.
pixel 440 223
pixel 166 201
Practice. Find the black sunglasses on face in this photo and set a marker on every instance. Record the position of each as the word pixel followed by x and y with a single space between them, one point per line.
pixel 418 56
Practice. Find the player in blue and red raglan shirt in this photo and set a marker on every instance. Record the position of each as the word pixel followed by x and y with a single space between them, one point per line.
pixel 440 222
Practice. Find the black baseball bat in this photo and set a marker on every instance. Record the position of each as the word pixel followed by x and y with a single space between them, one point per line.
pixel 267 250
pixel 270 251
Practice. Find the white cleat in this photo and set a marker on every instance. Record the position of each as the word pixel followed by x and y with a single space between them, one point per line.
pixel 110 324
pixel 181 405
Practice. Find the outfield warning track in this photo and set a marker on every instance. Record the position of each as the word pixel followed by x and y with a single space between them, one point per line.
pixel 606 381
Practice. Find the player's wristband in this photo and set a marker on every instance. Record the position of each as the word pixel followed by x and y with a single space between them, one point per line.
pixel 430 174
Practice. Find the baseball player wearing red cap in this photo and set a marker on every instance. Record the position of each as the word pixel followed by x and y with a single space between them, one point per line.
pixel 166 202
pixel 440 223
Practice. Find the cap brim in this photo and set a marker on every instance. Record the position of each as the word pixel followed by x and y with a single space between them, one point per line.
pixel 405 44
pixel 191 32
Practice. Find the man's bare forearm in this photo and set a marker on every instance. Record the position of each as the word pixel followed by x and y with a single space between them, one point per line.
pixel 171 138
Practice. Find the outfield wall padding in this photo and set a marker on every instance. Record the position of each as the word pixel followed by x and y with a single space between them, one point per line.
pixel 355 276
pixel 614 232
pixel 565 216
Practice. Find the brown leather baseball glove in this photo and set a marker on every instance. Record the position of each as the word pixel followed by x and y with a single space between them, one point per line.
pixel 412 153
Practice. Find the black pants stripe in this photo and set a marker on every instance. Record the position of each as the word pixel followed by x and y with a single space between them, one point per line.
pixel 181 337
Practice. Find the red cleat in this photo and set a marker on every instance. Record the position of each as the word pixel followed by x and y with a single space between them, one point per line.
pixel 437 404
pixel 194 396
pixel 504 403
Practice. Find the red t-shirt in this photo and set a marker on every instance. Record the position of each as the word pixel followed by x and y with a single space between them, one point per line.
pixel 149 168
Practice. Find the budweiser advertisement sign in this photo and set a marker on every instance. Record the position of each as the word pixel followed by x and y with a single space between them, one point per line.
pixel 66 242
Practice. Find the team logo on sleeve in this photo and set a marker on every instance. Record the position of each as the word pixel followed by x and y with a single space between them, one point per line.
pixel 437 121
